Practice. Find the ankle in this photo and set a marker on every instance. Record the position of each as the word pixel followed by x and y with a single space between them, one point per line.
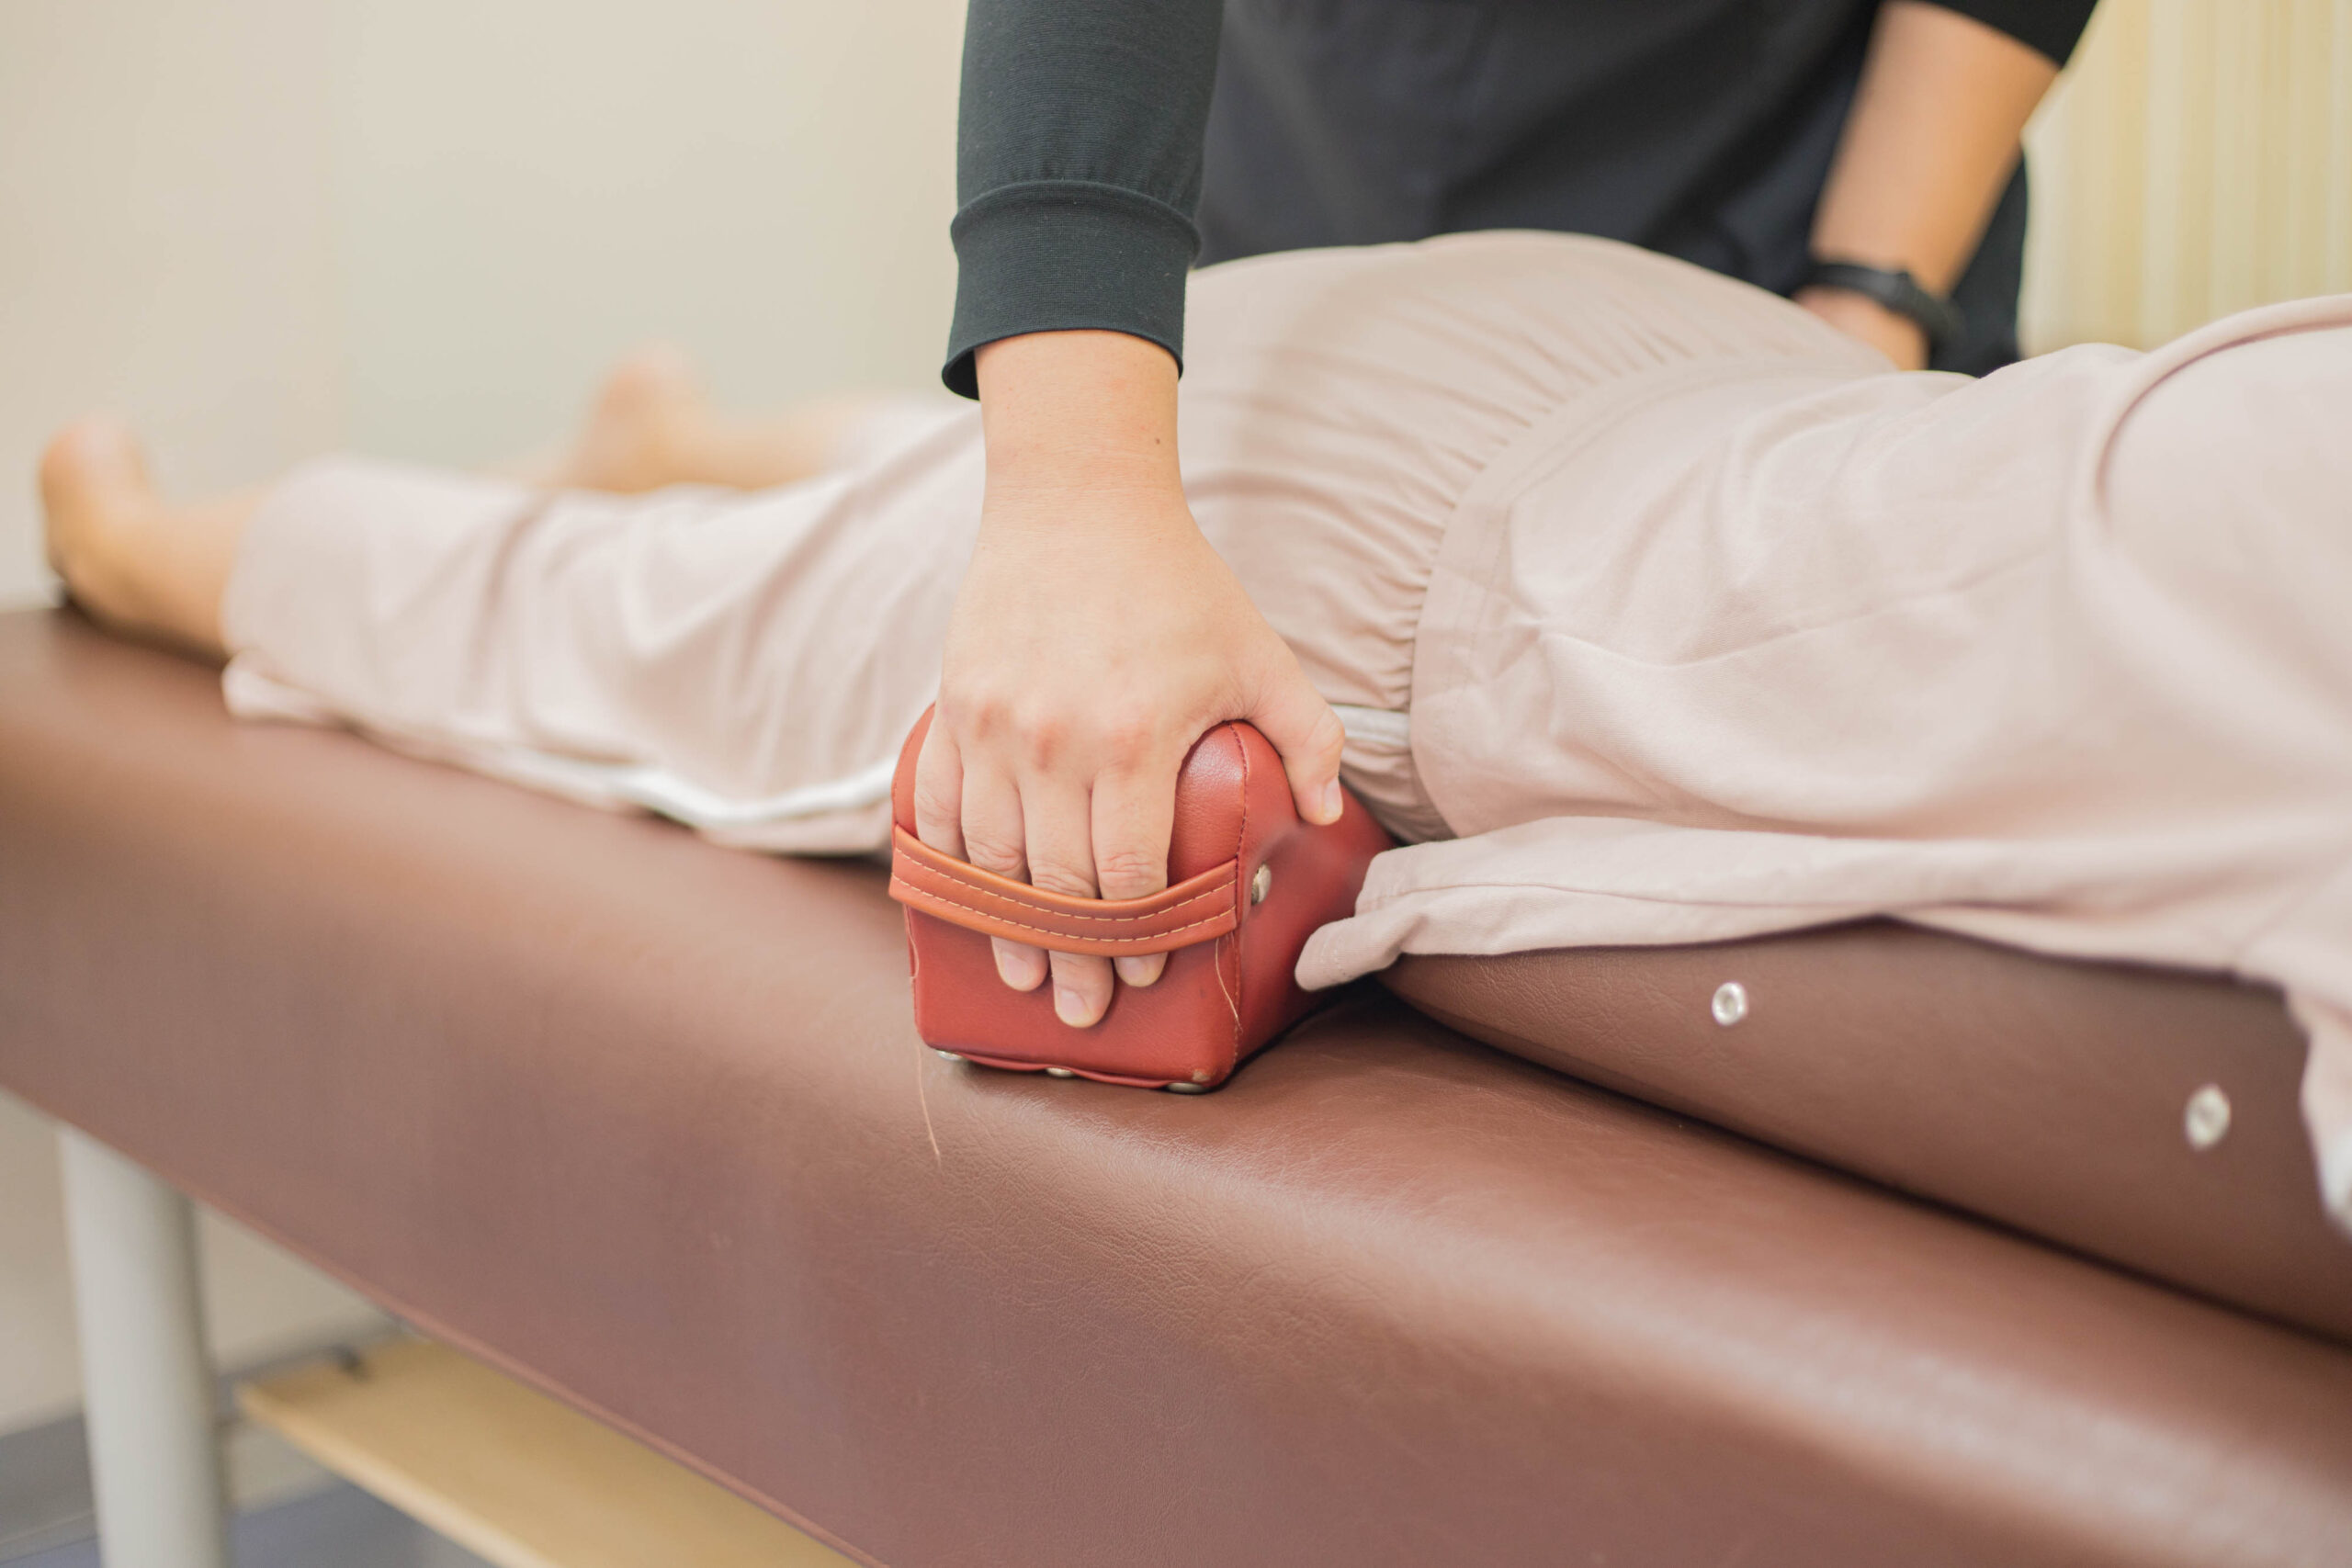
pixel 130 562
pixel 92 491
pixel 101 562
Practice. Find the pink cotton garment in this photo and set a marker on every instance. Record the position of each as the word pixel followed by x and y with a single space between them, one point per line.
pixel 2060 659
pixel 1658 611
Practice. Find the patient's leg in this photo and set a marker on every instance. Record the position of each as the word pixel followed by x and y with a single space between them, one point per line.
pixel 136 564
pixel 148 568
pixel 653 424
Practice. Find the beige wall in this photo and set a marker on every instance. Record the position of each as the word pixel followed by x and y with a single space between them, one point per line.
pixel 2195 161
pixel 525 188
pixel 163 253
pixel 259 228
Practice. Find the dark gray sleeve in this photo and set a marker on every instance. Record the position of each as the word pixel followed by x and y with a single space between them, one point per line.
pixel 1078 168
pixel 2053 27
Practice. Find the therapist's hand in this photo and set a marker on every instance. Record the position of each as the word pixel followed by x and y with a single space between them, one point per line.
pixel 1095 638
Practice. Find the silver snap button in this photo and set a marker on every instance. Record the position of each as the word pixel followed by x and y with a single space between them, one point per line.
pixel 1262 884
pixel 1730 1004
pixel 2206 1122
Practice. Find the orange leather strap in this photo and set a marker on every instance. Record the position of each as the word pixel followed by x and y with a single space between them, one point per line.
pixel 1199 909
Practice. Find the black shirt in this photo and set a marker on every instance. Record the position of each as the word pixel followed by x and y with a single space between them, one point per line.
pixel 1700 128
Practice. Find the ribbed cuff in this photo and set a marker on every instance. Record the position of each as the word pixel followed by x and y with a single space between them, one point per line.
pixel 1063 255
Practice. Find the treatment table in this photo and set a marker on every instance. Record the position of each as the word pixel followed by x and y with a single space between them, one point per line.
pixel 646 1123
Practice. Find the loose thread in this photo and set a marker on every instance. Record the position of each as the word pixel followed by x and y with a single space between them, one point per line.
pixel 922 1097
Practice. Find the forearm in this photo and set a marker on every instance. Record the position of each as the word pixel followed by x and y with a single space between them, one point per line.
pixel 1931 141
pixel 1066 410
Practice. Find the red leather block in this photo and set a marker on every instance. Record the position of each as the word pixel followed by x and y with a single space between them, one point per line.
pixel 1248 883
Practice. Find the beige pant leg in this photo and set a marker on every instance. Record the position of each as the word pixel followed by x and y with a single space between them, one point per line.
pixel 747 663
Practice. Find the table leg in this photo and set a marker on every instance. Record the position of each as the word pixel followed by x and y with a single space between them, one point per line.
pixel 147 1382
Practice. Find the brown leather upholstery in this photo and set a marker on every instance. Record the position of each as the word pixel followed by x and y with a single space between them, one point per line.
pixel 2050 1095
pixel 1231 981
pixel 647 1121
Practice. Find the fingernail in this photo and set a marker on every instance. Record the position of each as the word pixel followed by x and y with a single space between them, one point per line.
pixel 1014 970
pixel 1137 971
pixel 1331 802
pixel 1071 1007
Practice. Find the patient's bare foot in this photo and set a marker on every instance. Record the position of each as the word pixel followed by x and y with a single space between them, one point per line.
pixel 98 505
pixel 653 425
pixel 645 429
pixel 131 560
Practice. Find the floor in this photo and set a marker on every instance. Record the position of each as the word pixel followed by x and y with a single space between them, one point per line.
pixel 339 1527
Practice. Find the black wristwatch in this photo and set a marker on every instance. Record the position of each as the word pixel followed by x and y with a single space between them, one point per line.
pixel 1898 291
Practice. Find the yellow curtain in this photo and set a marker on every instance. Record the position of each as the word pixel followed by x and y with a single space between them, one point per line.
pixel 2195 160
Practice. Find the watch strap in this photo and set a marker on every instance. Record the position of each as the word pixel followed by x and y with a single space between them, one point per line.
pixel 1895 289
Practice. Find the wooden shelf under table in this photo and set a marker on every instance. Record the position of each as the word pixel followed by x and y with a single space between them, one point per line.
pixel 510 1474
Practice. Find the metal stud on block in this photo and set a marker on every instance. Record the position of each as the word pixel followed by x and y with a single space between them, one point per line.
pixel 1262 884
pixel 1188 1088
pixel 2205 1120
pixel 1730 1004
pixel 947 1055
pixel 1060 1073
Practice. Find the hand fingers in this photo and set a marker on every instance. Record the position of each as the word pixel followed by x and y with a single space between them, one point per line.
pixel 1140 969
pixel 938 822
pixel 1292 713
pixel 939 791
pixel 989 821
pixel 1058 837
pixel 1081 988
pixel 1019 965
pixel 1132 810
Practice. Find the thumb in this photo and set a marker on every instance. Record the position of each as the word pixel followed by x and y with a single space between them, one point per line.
pixel 1292 715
